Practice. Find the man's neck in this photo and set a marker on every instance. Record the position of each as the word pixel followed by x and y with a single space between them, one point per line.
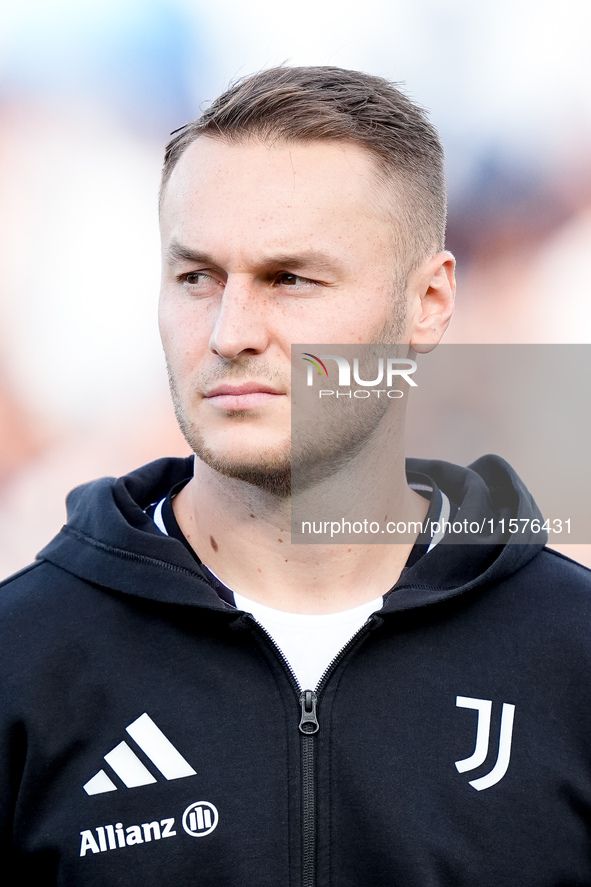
pixel 243 535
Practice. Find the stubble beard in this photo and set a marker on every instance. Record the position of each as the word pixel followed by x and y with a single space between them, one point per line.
pixel 271 472
pixel 315 459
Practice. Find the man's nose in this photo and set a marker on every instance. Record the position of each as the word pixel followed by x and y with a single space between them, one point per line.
pixel 241 323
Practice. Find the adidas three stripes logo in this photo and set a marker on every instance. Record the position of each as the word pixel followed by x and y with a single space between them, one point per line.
pixel 129 768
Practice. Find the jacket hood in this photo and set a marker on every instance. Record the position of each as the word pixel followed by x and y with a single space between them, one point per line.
pixel 490 493
pixel 109 541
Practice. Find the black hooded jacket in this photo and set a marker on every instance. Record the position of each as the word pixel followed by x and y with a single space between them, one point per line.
pixel 152 735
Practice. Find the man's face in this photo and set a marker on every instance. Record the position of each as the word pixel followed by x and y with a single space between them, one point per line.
pixel 264 246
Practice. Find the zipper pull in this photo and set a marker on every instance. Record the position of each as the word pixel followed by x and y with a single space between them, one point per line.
pixel 309 721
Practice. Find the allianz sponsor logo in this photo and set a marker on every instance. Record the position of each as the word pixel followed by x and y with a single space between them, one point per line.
pixel 389 370
pixel 199 819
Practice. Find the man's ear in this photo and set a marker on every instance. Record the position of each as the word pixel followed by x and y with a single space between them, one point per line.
pixel 430 294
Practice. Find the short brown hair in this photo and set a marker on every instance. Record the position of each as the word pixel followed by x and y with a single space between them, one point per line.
pixel 323 103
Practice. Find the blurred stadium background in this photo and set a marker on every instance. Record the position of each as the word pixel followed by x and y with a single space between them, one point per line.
pixel 89 93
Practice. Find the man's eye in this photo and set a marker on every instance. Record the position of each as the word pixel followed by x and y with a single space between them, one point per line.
pixel 198 280
pixel 287 279
pixel 196 277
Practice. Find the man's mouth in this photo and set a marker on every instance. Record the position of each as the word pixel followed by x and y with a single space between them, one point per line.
pixel 244 396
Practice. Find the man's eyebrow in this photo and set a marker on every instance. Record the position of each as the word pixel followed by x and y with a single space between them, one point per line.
pixel 313 258
pixel 176 252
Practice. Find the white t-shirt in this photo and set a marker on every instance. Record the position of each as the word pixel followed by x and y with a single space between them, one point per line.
pixel 309 642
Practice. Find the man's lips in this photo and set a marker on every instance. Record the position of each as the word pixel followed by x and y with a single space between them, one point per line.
pixel 242 397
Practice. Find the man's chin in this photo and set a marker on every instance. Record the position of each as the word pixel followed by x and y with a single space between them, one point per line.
pixel 271 473
pixel 266 467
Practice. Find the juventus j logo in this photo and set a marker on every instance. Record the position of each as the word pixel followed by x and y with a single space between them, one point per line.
pixel 484 709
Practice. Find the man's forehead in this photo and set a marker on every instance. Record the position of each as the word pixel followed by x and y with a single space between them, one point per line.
pixel 210 163
pixel 252 201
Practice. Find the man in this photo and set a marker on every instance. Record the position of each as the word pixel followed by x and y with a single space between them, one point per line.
pixel 188 697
